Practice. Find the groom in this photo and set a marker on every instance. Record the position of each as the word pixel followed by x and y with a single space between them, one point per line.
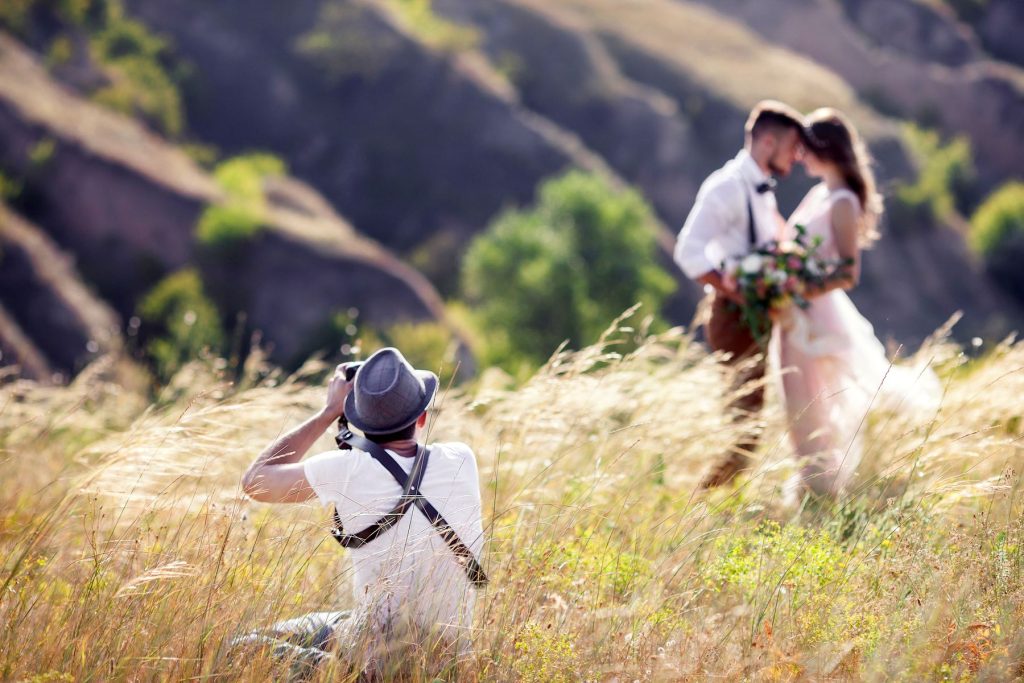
pixel 734 212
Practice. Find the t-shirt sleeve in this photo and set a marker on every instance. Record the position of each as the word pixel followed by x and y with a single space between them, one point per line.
pixel 475 538
pixel 329 474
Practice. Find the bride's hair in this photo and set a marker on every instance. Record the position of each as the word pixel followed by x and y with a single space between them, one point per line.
pixel 831 137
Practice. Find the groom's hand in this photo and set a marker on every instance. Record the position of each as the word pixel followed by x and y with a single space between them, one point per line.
pixel 721 285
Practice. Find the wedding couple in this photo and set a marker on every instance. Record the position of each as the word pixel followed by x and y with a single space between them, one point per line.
pixel 829 363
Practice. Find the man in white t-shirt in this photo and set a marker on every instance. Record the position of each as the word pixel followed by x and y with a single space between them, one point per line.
pixel 408 573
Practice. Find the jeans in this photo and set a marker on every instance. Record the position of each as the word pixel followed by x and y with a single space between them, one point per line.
pixel 306 641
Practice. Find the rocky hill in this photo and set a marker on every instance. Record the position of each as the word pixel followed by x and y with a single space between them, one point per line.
pixel 50 323
pixel 419 140
pixel 125 203
pixel 909 59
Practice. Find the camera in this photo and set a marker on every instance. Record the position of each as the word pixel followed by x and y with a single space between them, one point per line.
pixel 350 371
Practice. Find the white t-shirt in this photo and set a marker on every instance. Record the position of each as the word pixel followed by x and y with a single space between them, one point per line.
pixel 408 570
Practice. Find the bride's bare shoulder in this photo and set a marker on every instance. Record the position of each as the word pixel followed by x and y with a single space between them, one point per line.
pixel 845 196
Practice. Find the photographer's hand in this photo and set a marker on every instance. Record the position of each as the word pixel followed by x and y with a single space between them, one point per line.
pixel 338 389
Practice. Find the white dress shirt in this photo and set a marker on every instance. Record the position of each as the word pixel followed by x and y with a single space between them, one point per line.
pixel 716 232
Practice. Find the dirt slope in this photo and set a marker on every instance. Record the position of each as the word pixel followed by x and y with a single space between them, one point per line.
pixel 125 203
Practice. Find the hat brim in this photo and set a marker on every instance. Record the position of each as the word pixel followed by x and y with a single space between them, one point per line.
pixel 430 384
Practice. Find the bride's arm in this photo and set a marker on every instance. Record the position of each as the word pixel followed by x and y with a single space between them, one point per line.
pixel 845 220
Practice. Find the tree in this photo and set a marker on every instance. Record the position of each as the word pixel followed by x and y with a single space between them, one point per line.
pixel 562 270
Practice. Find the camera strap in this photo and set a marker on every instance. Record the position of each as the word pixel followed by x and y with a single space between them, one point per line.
pixel 411 497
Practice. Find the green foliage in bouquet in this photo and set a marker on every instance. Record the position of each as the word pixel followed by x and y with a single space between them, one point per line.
pixel 776 275
pixel 562 270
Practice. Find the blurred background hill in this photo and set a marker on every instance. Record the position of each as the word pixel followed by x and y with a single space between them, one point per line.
pixel 324 175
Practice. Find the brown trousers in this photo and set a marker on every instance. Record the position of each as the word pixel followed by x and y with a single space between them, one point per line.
pixel 726 332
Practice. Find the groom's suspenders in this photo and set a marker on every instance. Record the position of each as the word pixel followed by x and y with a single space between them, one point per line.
pixel 411 496
pixel 751 230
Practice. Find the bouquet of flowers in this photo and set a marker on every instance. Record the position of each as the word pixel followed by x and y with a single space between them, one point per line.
pixel 776 275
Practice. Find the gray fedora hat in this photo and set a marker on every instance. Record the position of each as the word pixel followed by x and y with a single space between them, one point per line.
pixel 388 394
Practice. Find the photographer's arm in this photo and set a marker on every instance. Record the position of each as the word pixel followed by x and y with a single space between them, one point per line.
pixel 277 475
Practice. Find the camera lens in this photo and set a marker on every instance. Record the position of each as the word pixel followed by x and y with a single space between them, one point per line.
pixel 350 371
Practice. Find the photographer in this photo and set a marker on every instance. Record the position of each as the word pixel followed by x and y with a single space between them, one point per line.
pixel 409 515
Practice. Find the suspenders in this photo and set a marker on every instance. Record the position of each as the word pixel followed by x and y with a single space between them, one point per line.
pixel 411 496
pixel 751 228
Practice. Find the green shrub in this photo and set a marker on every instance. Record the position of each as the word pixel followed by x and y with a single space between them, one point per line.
pixel 181 323
pixel 242 177
pixel 14 14
pixel 222 227
pixel 999 219
pixel 339 46
pixel 142 87
pixel 42 153
pixel 203 154
pixel 122 38
pixel 61 51
pixel 435 31
pixel 338 338
pixel 136 61
pixel 997 233
pixel 427 345
pixel 545 655
pixel 945 177
pixel 562 270
pixel 18 15
pixel 10 187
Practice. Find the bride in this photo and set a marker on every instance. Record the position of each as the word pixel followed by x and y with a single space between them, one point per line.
pixel 832 367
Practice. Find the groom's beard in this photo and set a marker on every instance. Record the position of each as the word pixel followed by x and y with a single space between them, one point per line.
pixel 776 170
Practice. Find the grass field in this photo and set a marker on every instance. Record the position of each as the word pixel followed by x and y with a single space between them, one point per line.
pixel 128 553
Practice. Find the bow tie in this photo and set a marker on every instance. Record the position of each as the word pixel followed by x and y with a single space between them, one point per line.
pixel 766 186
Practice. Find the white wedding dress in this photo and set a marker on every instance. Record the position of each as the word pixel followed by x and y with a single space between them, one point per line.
pixel 832 369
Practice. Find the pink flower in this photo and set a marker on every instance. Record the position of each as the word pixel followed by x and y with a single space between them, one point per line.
pixel 794 263
pixel 793 285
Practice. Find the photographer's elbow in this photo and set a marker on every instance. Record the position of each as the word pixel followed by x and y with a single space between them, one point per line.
pixel 250 483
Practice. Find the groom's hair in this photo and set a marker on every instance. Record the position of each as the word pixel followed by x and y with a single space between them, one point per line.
pixel 774 117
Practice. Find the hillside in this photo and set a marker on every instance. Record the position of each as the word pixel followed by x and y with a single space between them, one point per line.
pixel 411 141
pixel 908 59
pixel 126 204
pixel 50 324
pixel 665 88
pixel 409 126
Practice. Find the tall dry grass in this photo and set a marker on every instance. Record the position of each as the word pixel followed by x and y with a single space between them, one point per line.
pixel 129 553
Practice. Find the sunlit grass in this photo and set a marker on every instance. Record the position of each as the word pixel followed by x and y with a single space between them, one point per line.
pixel 130 554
